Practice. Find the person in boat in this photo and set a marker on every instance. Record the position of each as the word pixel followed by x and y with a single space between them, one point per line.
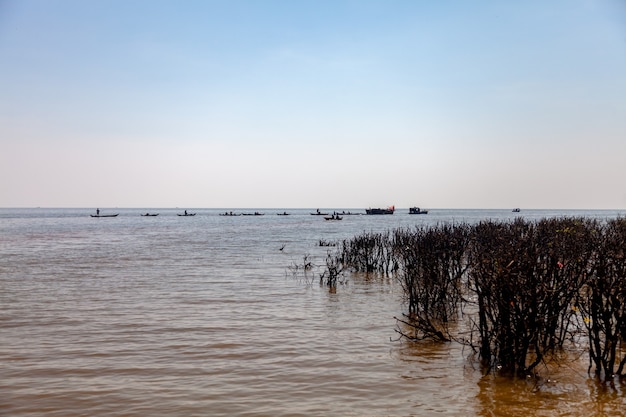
pixel 97 212
pixel 185 212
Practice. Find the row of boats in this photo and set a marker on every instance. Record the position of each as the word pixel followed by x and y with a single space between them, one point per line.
pixel 392 209
pixel 388 210
pixel 327 216
pixel 185 214
pixel 256 213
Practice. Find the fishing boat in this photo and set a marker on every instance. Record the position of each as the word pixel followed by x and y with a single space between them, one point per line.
pixel 417 210
pixel 516 210
pixel 388 210
pixel 319 213
pixel 150 214
pixel 230 214
pixel 185 214
pixel 333 217
pixel 104 215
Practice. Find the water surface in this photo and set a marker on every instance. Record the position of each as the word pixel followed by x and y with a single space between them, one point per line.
pixel 181 316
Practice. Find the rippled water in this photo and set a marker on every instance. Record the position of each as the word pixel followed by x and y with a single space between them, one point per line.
pixel 181 316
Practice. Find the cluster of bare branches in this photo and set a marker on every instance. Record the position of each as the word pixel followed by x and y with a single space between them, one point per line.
pixel 602 301
pixel 430 266
pixel 525 288
pixel 526 277
pixel 369 252
pixel 332 273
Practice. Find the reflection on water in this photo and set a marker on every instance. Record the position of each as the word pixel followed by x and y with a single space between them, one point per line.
pixel 565 392
pixel 178 316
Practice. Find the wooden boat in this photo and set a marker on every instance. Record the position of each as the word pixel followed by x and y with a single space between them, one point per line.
pixel 150 215
pixel 229 214
pixel 104 215
pixel 256 213
pixel 187 214
pixel 319 213
pixel 283 214
pixel 333 217
pixel 516 210
pixel 388 210
pixel 417 210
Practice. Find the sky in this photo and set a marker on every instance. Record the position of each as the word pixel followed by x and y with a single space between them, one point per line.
pixel 339 104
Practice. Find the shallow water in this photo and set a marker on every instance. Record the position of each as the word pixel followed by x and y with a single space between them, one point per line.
pixel 204 315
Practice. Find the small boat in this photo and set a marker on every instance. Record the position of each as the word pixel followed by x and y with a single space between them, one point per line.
pixel 516 210
pixel 388 210
pixel 229 214
pixel 150 214
pixel 319 213
pixel 417 210
pixel 283 214
pixel 104 215
pixel 256 213
pixel 333 217
pixel 185 214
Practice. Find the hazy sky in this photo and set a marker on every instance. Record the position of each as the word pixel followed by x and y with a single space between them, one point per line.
pixel 297 103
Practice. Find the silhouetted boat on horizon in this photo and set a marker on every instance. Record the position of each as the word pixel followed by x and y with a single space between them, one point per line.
pixel 388 210
pixel 230 214
pixel 333 217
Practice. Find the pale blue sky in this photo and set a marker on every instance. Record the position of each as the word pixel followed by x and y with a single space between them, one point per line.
pixel 347 104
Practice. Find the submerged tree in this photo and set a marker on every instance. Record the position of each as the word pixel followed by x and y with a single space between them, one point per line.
pixel 369 252
pixel 526 276
pixel 602 302
pixel 431 267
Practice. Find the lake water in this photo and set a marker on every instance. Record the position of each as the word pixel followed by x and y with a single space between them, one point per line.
pixel 204 316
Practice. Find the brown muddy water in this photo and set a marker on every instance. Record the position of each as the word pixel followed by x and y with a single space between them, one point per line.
pixel 206 316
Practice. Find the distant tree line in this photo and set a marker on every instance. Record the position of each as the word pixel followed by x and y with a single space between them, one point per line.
pixel 515 292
